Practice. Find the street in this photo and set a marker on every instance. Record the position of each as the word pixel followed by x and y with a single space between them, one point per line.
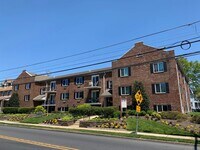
pixel 34 139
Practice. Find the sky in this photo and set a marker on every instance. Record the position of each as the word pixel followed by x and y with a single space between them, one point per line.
pixel 35 31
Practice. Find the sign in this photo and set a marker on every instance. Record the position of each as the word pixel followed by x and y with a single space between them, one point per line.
pixel 138 108
pixel 123 103
pixel 138 97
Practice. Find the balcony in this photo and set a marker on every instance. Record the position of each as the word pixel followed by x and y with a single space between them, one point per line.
pixel 94 102
pixel 93 85
pixel 49 103
pixel 48 90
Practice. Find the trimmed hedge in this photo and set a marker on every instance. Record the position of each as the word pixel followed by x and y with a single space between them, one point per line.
pixel 106 112
pixel 16 110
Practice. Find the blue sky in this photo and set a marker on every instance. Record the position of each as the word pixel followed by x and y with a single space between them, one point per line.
pixel 38 30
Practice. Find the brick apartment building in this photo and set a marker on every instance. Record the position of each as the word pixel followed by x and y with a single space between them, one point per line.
pixel 5 92
pixel 159 72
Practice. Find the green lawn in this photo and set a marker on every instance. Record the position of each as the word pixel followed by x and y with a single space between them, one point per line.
pixel 154 127
pixel 40 119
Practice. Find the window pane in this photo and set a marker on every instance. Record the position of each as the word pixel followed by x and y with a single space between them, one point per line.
pixel 127 90
pixel 155 67
pixel 157 88
pixel 122 90
pixel 161 66
pixel 165 108
pixel 163 87
pixel 159 107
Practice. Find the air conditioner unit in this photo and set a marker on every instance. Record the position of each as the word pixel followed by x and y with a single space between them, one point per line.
pixel 90 83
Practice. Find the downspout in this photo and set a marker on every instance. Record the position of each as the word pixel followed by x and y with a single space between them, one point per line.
pixel 179 90
pixel 104 88
pixel 186 96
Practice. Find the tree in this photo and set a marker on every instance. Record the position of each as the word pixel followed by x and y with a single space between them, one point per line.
pixel 145 104
pixel 192 70
pixel 14 101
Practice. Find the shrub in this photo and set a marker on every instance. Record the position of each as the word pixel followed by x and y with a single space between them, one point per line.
pixel 25 110
pixel 84 109
pixel 195 119
pixel 131 112
pixel 67 118
pixel 108 112
pixel 10 110
pixel 156 116
pixel 150 112
pixel 116 114
pixel 142 113
pixel 17 117
pixel 170 115
pixel 39 110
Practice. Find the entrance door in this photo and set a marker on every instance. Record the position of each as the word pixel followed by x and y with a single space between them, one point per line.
pixel 95 96
pixel 95 80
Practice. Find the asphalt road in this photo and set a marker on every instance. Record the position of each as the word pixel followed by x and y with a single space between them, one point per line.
pixel 13 138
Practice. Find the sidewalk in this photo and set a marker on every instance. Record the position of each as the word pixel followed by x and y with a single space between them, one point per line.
pixel 76 127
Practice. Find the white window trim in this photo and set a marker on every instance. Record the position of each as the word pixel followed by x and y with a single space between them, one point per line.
pixel 63 97
pixel 160 88
pixel 52 82
pixel 97 82
pixel 78 83
pixel 124 72
pixel 26 98
pixel 159 71
pixel 66 82
pixel 124 90
pixel 109 84
pixel 78 95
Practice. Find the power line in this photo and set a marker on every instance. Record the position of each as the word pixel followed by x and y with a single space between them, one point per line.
pixel 104 47
pixel 103 62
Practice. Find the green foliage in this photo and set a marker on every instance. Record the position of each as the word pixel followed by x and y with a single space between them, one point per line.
pixel 131 112
pixel 154 127
pixel 10 110
pixel 13 101
pixel 156 116
pixel 116 114
pixel 142 113
pixel 145 104
pixel 39 110
pixel 196 119
pixel 173 115
pixel 25 110
pixel 150 112
pixel 87 110
pixel 67 118
pixel 192 71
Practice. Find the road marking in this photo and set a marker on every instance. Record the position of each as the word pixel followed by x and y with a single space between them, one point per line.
pixel 58 147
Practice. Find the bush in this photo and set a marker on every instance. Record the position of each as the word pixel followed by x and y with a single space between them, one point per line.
pixel 17 117
pixel 25 110
pixel 108 112
pixel 39 110
pixel 170 115
pixel 131 112
pixel 142 113
pixel 10 110
pixel 150 112
pixel 67 118
pixel 195 119
pixel 156 116
pixel 116 114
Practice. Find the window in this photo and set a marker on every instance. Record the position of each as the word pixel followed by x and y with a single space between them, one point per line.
pixel 27 86
pixel 62 109
pixel 158 67
pixel 125 90
pixel 64 96
pixel 26 97
pixel 160 88
pixel 42 91
pixel 95 80
pixel 52 85
pixel 109 84
pixel 79 80
pixel 160 108
pixel 16 87
pixel 65 82
pixel 124 72
pixel 78 95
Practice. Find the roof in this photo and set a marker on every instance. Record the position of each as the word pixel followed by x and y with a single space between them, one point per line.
pixel 40 98
pixel 106 93
pixel 108 69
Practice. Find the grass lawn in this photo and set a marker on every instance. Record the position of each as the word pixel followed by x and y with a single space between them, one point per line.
pixel 154 127
pixel 40 119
